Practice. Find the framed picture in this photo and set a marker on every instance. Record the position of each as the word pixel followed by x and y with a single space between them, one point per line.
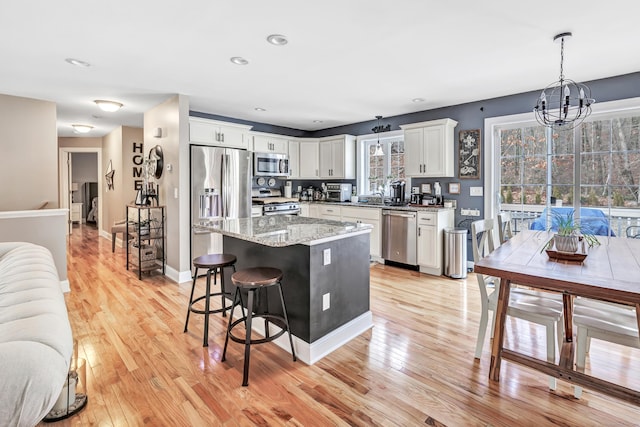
pixel 454 188
pixel 425 188
pixel 469 154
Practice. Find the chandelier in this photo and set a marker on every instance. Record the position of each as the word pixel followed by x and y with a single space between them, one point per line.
pixel 379 128
pixel 564 104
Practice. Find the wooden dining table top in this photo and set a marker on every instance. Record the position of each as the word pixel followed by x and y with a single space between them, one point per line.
pixel 610 272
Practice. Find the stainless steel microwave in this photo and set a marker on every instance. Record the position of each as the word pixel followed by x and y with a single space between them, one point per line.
pixel 270 164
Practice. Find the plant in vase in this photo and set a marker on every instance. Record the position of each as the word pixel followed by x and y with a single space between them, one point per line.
pixel 569 234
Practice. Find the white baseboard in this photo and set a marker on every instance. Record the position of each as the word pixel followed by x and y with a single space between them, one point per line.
pixel 65 286
pixel 311 353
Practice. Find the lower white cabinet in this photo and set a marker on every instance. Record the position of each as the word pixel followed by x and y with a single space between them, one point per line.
pixel 431 227
pixel 367 216
pixel 332 212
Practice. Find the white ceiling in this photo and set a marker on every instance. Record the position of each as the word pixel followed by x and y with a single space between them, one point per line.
pixel 346 62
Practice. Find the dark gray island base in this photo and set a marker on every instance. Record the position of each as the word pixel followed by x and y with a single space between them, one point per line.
pixel 312 278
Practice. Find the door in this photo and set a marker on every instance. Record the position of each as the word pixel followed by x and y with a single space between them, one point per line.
pixel 413 152
pixel 66 199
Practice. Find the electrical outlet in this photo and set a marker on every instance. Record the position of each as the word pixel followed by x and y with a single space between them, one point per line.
pixel 326 301
pixel 326 256
pixel 469 212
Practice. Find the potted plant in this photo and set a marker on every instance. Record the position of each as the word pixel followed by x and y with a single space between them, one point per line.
pixel 569 233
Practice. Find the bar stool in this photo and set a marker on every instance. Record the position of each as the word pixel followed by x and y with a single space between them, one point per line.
pixel 213 263
pixel 253 280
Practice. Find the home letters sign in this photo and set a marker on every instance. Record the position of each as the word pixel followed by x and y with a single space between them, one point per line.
pixel 138 161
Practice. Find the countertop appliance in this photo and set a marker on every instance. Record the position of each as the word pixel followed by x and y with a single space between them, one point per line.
pixel 416 199
pixel 339 192
pixel 273 203
pixel 399 236
pixel 270 164
pixel 220 188
pixel 397 194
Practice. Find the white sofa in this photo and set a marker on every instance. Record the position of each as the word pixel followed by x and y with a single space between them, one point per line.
pixel 35 335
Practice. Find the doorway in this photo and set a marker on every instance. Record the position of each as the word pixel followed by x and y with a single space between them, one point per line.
pixel 80 185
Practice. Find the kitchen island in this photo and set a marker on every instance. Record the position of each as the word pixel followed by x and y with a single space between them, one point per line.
pixel 325 267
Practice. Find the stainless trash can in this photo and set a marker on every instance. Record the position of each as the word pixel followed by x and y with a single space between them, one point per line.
pixel 455 252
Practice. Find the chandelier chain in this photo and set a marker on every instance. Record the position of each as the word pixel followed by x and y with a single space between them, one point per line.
pixel 561 59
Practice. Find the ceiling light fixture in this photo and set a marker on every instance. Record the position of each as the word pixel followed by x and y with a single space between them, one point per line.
pixel 82 128
pixel 77 62
pixel 564 104
pixel 259 109
pixel 238 60
pixel 379 128
pixel 318 121
pixel 277 39
pixel 110 106
pixel 417 100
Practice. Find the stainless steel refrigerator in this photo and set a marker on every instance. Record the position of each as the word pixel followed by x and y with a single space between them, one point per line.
pixel 220 188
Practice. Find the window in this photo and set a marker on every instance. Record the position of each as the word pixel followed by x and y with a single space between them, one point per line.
pixel 377 172
pixel 594 168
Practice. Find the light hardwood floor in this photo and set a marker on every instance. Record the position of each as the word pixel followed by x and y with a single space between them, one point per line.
pixel 415 367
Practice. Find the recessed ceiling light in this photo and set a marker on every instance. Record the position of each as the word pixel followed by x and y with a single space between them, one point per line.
pixel 238 60
pixel 77 62
pixel 259 109
pixel 417 100
pixel 277 39
pixel 110 106
pixel 318 121
pixel 82 128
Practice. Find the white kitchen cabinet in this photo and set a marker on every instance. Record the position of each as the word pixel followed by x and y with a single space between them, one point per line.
pixel 429 149
pixel 304 209
pixel 331 212
pixel 294 159
pixel 211 132
pixel 367 216
pixel 314 211
pixel 337 157
pixel 309 166
pixel 256 210
pixel 430 240
pixel 270 144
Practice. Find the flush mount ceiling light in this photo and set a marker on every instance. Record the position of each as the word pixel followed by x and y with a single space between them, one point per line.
pixel 82 128
pixel 417 100
pixel 379 128
pixel 277 39
pixel 564 104
pixel 238 60
pixel 259 109
pixel 110 106
pixel 318 121
pixel 77 62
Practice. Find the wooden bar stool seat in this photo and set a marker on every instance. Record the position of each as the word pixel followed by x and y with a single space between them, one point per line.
pixel 213 263
pixel 256 281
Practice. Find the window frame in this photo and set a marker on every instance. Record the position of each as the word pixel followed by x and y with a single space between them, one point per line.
pixel 362 143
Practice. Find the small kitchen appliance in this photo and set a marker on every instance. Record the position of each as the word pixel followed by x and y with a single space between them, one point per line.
pixel 338 192
pixel 437 192
pixel 416 199
pixel 397 193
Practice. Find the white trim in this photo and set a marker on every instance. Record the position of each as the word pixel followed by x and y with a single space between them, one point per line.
pixel 311 353
pixel 33 213
pixel 65 286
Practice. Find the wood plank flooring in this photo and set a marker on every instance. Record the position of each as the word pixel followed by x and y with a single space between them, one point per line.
pixel 415 367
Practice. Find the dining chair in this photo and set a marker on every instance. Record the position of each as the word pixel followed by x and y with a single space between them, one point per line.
pixel 606 321
pixel 542 308
pixel 504 231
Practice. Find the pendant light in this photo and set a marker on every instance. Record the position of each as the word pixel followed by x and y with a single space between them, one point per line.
pixel 377 130
pixel 564 104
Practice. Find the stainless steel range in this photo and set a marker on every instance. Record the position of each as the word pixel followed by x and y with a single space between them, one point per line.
pixel 273 203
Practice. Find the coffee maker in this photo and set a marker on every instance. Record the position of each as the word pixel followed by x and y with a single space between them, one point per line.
pixel 397 193
pixel 416 197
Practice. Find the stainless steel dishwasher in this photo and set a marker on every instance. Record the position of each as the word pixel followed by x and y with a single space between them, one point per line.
pixel 399 235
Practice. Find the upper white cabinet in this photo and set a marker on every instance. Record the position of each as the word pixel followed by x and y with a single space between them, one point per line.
pixel 309 160
pixel 294 159
pixel 429 148
pixel 211 132
pixel 338 157
pixel 270 144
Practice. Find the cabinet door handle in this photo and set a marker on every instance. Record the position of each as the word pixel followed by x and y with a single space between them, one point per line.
pixel 222 136
pixel 419 232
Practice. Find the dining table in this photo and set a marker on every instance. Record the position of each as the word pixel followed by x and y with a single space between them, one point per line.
pixel 609 272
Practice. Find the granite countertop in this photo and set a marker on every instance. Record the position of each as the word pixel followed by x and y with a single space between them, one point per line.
pixel 283 230
pixel 414 208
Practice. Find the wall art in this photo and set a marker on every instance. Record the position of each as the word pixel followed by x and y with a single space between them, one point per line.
pixel 469 154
